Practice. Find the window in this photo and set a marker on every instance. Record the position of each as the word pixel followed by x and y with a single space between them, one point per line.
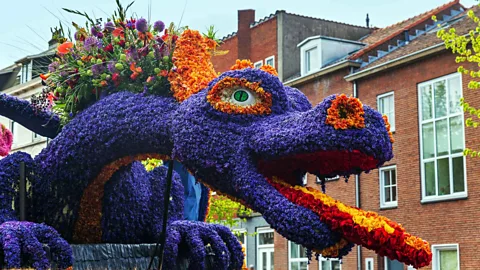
pixel 388 186
pixel 297 257
pixel 445 257
pixel 265 249
pixel 26 72
pixel 386 106
pixel 442 139
pixel 328 179
pixel 242 238
pixel 410 268
pixel 393 265
pixel 368 263
pixel 258 64
pixel 329 264
pixel 311 59
pixel 270 61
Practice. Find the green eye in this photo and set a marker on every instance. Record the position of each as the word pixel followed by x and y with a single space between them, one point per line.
pixel 240 96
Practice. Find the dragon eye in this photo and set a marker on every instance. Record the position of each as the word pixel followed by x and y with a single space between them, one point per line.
pixel 239 96
pixel 243 97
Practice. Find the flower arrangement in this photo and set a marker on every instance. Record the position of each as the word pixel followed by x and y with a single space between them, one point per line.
pixel 123 53
pixel 6 140
pixel 346 112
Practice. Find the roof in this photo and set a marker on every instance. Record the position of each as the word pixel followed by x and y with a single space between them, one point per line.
pixel 48 52
pixel 271 16
pixel 461 23
pixel 382 35
pixel 330 38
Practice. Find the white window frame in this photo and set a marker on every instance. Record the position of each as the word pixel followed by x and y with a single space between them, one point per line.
pixel 385 95
pixel 305 64
pixel 270 58
pixel 329 179
pixel 367 261
pixel 452 196
pixel 321 259
pixel 383 204
pixel 245 238
pixel 258 64
pixel 257 240
pixel 293 260
pixel 436 258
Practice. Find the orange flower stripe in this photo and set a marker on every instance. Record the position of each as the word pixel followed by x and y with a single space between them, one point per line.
pixel 269 69
pixel 332 252
pixel 241 64
pixel 215 97
pixel 387 125
pixel 346 112
pixel 378 232
pixel 194 70
pixel 88 225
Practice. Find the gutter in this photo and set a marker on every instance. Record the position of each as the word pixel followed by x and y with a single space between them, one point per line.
pixel 321 72
pixel 396 62
pixel 357 193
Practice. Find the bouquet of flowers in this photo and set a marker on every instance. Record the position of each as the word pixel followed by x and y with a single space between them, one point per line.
pixel 103 58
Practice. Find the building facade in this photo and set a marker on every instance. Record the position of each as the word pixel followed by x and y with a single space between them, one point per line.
pixel 405 72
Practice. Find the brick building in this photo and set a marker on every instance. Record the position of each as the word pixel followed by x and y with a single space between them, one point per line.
pixel 405 72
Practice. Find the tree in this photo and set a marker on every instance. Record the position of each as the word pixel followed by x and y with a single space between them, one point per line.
pixel 466 47
pixel 224 211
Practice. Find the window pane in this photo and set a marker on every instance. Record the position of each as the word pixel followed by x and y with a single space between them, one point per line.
pixel 443 176
pixel 386 178
pixel 303 265
pixel 393 177
pixel 335 265
pixel 448 260
pixel 440 93
pixel 394 194
pixel 270 62
pixel 386 191
pixel 455 93
pixel 264 260
pixel 294 266
pixel 293 250
pixel 426 93
pixel 427 140
pixel 303 252
pixel 325 265
pixel 271 261
pixel 311 58
pixel 430 178
pixel 456 134
pixel 441 130
pixel 458 175
pixel 265 238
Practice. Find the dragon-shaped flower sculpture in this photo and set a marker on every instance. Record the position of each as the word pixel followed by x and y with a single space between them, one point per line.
pixel 241 133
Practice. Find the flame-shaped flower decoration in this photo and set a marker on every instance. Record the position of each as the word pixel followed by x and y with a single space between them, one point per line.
pixel 6 140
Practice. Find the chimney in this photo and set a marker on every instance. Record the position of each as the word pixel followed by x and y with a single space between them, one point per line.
pixel 368 21
pixel 244 38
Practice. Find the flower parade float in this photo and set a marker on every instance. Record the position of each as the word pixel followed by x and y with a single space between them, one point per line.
pixel 126 91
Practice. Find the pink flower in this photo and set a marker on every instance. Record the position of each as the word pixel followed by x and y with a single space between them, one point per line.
pixel 6 140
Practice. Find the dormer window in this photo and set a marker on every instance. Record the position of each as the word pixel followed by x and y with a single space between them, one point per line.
pixel 26 72
pixel 311 59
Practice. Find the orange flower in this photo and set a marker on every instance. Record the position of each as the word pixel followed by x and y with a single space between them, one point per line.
pixel 145 36
pixel 216 97
pixel 387 125
pixel 118 32
pixel 64 47
pixel 44 76
pixel 269 69
pixel 135 69
pixel 345 112
pixel 163 73
pixel 194 70
pixel 241 64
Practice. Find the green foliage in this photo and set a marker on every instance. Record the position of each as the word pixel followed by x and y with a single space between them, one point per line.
pixel 467 50
pixel 226 212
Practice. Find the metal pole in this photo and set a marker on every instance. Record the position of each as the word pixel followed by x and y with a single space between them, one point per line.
pixel 23 191
pixel 163 234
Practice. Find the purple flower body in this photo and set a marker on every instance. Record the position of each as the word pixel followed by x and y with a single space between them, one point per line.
pixel 141 25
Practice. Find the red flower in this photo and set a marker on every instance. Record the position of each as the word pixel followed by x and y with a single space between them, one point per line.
pixel 118 32
pixel 121 43
pixel 134 76
pixel 108 48
pixel 116 79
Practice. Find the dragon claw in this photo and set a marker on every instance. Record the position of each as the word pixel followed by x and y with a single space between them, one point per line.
pixel 192 238
pixel 22 244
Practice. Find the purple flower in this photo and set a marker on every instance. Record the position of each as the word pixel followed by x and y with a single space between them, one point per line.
pixel 95 29
pixel 53 66
pixel 90 43
pixel 111 66
pixel 109 26
pixel 141 25
pixel 97 69
pixel 159 26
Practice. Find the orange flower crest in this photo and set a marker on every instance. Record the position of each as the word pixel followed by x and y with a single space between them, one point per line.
pixel 346 112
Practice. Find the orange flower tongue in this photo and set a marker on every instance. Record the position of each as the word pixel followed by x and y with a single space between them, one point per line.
pixel 364 228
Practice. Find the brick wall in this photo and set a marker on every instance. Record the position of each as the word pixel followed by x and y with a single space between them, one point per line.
pixel 223 63
pixel 440 222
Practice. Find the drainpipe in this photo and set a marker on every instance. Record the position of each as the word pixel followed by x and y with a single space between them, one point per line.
pixel 357 193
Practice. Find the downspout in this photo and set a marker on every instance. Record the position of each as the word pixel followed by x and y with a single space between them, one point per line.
pixel 357 193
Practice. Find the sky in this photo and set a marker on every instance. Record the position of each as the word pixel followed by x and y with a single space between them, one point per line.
pixel 25 27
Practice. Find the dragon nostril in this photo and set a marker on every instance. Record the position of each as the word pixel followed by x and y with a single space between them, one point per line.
pixel 346 112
